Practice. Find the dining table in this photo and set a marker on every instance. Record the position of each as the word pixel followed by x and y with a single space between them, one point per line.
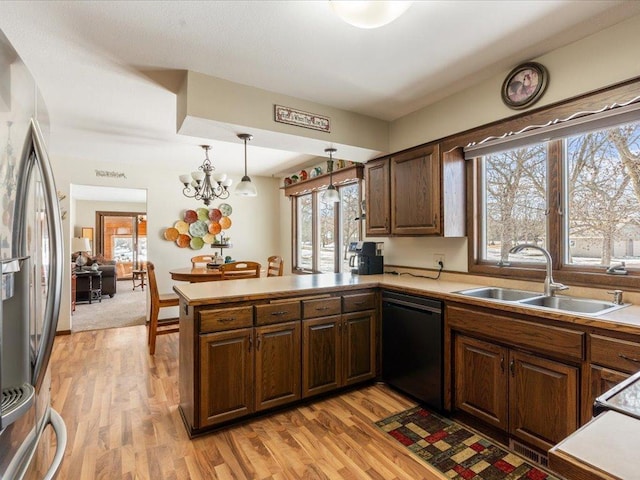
pixel 196 274
pixel 200 274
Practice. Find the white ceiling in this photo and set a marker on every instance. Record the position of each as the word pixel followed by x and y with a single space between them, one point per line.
pixel 108 70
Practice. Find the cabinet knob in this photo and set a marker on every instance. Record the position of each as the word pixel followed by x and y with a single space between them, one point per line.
pixel 512 368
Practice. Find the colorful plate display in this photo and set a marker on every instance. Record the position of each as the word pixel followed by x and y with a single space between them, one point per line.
pixel 225 223
pixel 215 215
pixel 171 234
pixel 196 243
pixel 190 216
pixel 183 240
pixel 203 214
pixel 225 209
pixel 198 228
pixel 182 227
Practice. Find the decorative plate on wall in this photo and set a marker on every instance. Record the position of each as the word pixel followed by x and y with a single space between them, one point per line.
pixel 524 85
pixel 199 227
pixel 225 209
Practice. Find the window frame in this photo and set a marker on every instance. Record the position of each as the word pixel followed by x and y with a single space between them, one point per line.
pixel 316 195
pixel 593 276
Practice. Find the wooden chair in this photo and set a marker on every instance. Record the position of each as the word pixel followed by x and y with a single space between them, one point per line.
pixel 158 301
pixel 275 266
pixel 235 270
pixel 201 259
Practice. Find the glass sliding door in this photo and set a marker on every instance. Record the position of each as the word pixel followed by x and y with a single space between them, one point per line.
pixel 122 236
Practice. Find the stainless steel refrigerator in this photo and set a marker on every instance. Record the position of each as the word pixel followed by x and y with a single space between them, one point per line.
pixel 32 434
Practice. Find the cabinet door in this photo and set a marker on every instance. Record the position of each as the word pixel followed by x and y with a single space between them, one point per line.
pixel 481 380
pixel 604 379
pixel 277 364
pixel 226 376
pixel 358 340
pixel 543 405
pixel 415 192
pixel 377 197
pixel 321 355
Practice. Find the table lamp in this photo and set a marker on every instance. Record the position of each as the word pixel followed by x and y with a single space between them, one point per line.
pixel 79 245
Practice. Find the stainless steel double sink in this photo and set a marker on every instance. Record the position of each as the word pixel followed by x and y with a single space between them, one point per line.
pixel 538 300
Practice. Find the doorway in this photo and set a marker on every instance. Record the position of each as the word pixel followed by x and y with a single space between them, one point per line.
pixel 122 236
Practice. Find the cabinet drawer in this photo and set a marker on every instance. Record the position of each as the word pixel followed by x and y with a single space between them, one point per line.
pixel 226 319
pixel 619 354
pixel 554 341
pixel 357 302
pixel 321 307
pixel 278 312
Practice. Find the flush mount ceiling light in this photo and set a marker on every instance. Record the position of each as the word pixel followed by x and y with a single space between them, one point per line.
pixel 368 14
pixel 198 185
pixel 245 188
pixel 331 195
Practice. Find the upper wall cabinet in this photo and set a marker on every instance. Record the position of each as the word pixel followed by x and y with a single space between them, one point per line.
pixel 417 192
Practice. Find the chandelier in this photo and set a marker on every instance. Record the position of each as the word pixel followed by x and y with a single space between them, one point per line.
pixel 203 184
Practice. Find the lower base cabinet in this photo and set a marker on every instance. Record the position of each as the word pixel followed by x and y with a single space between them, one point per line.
pixel 532 398
pixel 338 351
pixel 247 358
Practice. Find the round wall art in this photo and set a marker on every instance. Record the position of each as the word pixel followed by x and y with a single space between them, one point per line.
pixel 524 85
pixel 197 228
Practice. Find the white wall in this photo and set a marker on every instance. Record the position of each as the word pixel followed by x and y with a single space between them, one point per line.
pixel 254 233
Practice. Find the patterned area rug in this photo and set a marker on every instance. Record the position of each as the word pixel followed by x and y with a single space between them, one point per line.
pixel 456 451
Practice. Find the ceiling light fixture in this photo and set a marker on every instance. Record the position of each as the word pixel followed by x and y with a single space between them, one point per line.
pixel 368 14
pixel 245 188
pixel 198 185
pixel 331 195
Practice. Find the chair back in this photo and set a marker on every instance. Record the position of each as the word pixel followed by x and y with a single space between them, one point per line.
pixel 275 266
pixel 201 259
pixel 153 284
pixel 234 270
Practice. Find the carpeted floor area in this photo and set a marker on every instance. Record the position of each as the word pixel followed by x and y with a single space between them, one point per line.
pixel 456 451
pixel 126 308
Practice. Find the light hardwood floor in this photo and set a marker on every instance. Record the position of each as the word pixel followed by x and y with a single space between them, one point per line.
pixel 120 408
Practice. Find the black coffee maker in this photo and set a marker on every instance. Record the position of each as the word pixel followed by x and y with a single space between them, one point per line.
pixel 366 258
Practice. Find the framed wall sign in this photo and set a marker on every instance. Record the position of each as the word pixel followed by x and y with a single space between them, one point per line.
pixel 524 85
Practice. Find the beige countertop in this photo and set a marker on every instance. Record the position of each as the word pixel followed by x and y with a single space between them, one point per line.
pixel 210 293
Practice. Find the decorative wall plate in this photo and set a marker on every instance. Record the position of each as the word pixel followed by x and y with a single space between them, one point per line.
pixel 524 85
pixel 225 223
pixel 171 234
pixel 198 229
pixel 183 240
pixel 196 243
pixel 190 216
pixel 215 215
pixel 225 209
pixel 203 214
pixel 182 227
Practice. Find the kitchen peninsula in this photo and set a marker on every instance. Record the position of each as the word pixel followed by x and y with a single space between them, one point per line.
pixel 252 345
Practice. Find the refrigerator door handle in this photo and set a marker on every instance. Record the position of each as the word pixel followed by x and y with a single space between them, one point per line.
pixel 61 444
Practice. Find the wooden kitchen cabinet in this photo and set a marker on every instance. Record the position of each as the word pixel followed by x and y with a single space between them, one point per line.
pixel 612 361
pixel 322 355
pixel 249 357
pixel 417 192
pixel 226 376
pixel 534 399
pixel 277 364
pixel 339 350
pixel 377 197
pixel 481 380
pixel 543 399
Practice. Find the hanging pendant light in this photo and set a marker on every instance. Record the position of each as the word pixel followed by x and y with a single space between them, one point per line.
pixel 245 188
pixel 331 195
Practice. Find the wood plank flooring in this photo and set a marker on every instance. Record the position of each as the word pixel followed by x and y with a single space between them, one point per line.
pixel 120 408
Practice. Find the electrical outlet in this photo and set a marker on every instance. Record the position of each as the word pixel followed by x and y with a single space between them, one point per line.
pixel 437 258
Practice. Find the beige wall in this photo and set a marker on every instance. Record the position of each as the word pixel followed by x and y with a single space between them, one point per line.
pixel 605 58
pixel 254 233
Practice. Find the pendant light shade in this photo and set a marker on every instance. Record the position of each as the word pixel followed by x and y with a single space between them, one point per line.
pixel 331 195
pixel 246 188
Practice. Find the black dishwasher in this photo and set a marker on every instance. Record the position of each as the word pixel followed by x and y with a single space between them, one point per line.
pixel 412 338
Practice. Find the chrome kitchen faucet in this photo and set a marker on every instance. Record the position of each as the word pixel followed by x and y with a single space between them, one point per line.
pixel 550 287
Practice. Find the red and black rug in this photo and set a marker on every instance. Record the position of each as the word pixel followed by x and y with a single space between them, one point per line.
pixel 457 452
